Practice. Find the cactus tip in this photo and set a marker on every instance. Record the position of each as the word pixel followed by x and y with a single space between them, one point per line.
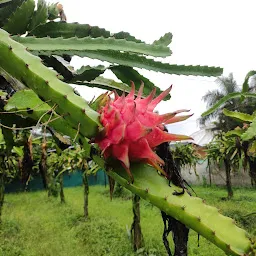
pixel 10 48
pixel 183 207
pixel 146 190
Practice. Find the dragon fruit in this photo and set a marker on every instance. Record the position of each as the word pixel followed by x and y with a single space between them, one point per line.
pixel 132 129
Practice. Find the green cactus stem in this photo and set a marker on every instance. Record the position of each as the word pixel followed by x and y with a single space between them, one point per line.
pixel 192 211
pixel 36 109
pixel 29 70
pixel 19 19
pixel 80 45
pixel 67 30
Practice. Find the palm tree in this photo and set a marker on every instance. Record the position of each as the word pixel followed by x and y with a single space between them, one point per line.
pixel 224 123
pixel 227 85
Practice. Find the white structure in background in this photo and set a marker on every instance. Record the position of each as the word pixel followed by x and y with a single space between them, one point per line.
pixel 201 138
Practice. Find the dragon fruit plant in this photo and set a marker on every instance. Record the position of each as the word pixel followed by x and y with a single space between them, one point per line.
pixel 125 128
pixel 139 130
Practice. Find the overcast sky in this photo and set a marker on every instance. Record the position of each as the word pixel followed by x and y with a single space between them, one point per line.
pixel 213 33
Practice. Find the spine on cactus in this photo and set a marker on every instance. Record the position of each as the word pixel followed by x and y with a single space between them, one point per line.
pixel 133 120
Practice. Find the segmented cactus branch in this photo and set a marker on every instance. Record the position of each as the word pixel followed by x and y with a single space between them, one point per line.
pixel 30 71
pixel 192 211
pixel 148 184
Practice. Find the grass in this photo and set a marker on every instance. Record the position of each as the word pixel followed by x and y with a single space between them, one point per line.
pixel 34 225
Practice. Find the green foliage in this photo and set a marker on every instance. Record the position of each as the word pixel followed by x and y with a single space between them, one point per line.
pixel 191 211
pixel 68 30
pixel 127 74
pixel 53 12
pixel 246 80
pixel 238 115
pixel 19 20
pixel 227 147
pixel 7 10
pixel 247 133
pixel 39 16
pixel 46 84
pixel 126 36
pixel 250 133
pixel 87 73
pixel 252 149
pixel 38 110
pixel 242 95
pixel 166 39
pixel 35 225
pixel 184 155
pixel 107 84
pixel 133 60
pixel 119 41
pixel 3 3
pixel 221 102
pixel 79 46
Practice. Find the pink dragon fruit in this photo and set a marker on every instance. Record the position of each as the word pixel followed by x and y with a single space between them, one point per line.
pixel 132 130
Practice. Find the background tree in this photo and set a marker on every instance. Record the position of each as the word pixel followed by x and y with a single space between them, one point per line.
pixel 227 87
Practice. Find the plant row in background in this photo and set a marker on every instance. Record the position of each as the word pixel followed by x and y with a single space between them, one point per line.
pixel 126 130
